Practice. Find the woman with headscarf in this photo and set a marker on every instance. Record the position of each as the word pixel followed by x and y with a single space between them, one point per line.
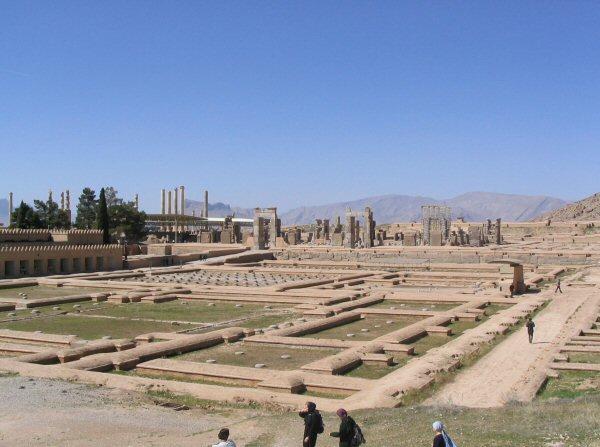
pixel 347 429
pixel 441 438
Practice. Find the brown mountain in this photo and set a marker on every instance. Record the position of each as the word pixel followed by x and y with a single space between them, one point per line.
pixel 586 209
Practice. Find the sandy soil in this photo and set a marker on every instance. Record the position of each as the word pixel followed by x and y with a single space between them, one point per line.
pixel 514 370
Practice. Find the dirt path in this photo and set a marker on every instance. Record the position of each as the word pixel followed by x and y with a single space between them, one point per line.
pixel 515 369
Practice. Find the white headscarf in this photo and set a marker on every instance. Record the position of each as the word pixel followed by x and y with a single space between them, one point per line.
pixel 439 427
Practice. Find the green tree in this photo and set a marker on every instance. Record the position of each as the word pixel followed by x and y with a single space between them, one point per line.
pixel 102 222
pixel 25 217
pixel 112 197
pixel 86 210
pixel 125 218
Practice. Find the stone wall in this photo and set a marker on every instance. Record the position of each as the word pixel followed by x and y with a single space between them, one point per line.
pixel 40 260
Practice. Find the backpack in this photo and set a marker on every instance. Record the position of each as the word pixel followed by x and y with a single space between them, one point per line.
pixel 320 425
pixel 358 437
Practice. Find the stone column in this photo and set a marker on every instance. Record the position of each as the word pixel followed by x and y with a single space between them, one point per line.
pixel 205 203
pixel 68 203
pixel 176 211
pixel 162 201
pixel 62 201
pixel 498 231
pixel 10 209
pixel 169 202
pixel 136 200
pixel 182 193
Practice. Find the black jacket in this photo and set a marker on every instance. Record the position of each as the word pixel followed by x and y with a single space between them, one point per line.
pixel 311 423
pixel 346 432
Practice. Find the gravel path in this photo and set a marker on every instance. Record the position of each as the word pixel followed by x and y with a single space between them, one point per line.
pixel 514 370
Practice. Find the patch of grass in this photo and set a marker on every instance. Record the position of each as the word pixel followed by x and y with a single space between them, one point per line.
pixel 374 371
pixel 584 357
pixel 262 440
pixel 258 353
pixel 340 332
pixel 88 327
pixel 195 402
pixel 571 384
pixel 187 310
pixel 415 305
pixel 534 425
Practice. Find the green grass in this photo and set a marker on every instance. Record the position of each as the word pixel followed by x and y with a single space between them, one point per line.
pixel 539 424
pixel 187 310
pixel 415 305
pixel 340 332
pixel 375 371
pixel 258 353
pixel 571 384
pixel 87 327
pixel 584 357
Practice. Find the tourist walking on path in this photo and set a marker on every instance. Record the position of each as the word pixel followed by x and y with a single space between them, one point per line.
pixel 558 289
pixel 349 432
pixel 530 328
pixel 224 440
pixel 313 424
pixel 441 438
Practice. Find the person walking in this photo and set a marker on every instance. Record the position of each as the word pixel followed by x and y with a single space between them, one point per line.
pixel 558 289
pixel 441 438
pixel 349 432
pixel 313 424
pixel 224 440
pixel 530 329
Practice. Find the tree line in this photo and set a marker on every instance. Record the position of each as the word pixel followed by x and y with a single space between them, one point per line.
pixel 107 212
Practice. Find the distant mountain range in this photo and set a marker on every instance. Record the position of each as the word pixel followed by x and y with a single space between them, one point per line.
pixel 586 209
pixel 475 206
pixel 391 208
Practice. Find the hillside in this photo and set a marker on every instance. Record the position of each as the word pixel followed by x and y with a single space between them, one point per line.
pixel 586 209
pixel 475 206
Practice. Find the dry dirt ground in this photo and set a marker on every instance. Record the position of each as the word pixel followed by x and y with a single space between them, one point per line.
pixel 55 413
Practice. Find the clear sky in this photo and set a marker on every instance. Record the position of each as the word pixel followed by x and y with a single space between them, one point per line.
pixel 297 103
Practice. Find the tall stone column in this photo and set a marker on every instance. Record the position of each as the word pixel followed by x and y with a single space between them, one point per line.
pixel 169 201
pixel 498 231
pixel 162 201
pixel 10 207
pixel 68 203
pixel 205 203
pixel 182 194
pixel 62 201
pixel 136 201
pixel 176 197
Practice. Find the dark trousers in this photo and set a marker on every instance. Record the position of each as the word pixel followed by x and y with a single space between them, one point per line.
pixel 558 289
pixel 530 337
pixel 312 441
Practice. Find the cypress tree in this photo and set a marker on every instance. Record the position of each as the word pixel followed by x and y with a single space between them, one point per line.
pixel 102 219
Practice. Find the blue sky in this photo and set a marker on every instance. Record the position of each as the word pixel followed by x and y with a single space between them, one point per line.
pixel 291 103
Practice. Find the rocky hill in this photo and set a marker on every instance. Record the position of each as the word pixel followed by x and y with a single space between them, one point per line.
pixel 586 209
